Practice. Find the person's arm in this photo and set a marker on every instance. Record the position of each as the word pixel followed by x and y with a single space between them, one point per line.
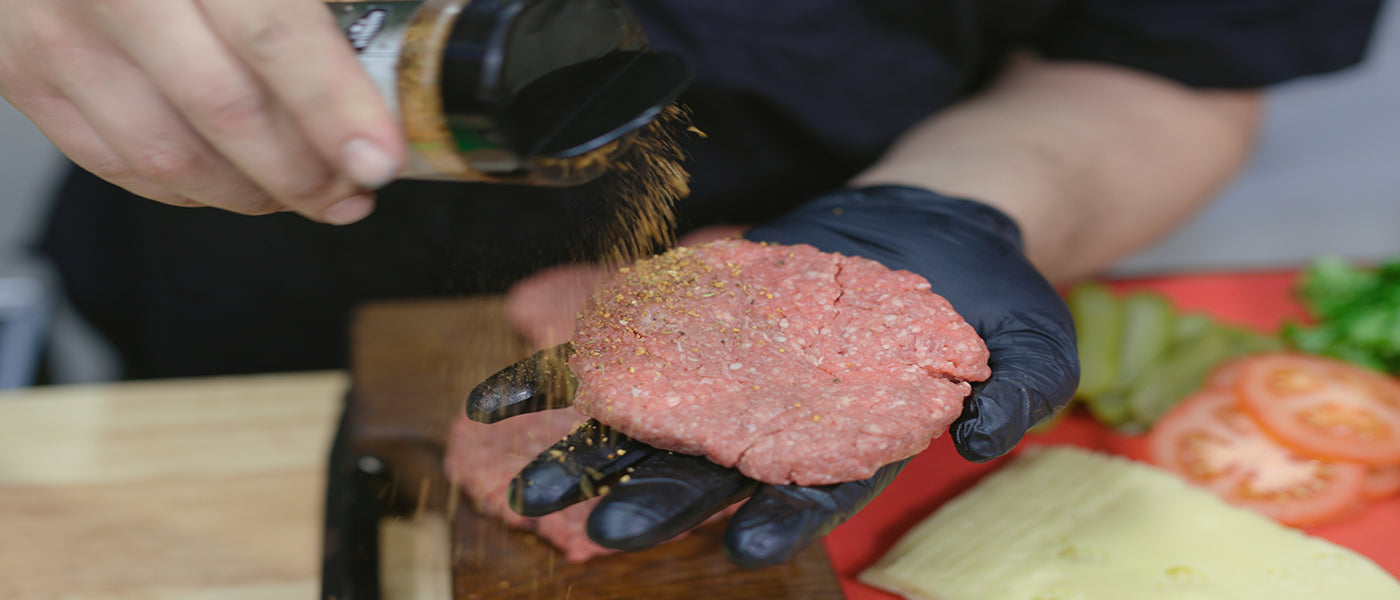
pixel 1091 160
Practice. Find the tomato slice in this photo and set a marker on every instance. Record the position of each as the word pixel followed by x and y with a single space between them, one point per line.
pixel 1381 482
pixel 1225 375
pixel 1324 407
pixel 1212 442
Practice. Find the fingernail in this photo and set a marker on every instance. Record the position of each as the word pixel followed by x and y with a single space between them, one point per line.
pixel 349 210
pixel 368 165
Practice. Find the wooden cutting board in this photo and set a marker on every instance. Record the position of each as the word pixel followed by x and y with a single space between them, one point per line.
pixel 413 364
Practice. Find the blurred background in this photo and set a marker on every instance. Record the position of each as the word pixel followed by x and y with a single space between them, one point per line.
pixel 1326 180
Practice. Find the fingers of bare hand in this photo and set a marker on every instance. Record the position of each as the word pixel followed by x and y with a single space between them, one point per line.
pixel 29 87
pixel 139 126
pixel 230 108
pixel 296 47
pixel 70 132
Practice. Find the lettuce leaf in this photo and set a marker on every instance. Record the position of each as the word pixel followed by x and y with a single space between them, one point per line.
pixel 1355 311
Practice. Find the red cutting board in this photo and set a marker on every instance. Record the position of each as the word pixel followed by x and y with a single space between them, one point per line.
pixel 1260 300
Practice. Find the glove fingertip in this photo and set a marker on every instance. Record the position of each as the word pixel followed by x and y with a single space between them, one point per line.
pixel 778 522
pixel 756 547
pixel 991 424
pixel 536 495
pixel 485 404
pixel 624 526
pixel 536 383
pixel 979 446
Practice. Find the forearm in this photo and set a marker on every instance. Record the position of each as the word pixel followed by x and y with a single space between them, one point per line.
pixel 1092 161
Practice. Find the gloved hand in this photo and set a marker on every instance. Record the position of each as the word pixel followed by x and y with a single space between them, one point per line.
pixel 969 252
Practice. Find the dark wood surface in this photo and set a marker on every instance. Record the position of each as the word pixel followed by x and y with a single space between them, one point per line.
pixel 414 363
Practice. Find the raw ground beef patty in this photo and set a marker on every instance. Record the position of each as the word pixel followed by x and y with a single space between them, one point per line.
pixel 793 365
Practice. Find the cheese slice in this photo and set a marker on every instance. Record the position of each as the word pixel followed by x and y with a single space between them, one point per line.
pixel 1063 523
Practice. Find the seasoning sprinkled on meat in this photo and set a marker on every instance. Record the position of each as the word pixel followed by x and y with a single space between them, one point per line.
pixel 793 365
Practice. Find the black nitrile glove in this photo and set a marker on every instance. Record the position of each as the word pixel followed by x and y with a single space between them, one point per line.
pixel 969 252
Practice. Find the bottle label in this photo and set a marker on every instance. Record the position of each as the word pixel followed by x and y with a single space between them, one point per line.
pixel 376 30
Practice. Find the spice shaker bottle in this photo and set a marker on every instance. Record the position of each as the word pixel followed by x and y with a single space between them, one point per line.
pixel 531 92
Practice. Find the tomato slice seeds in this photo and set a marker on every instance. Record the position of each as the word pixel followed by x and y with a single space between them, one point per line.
pixel 1212 442
pixel 1323 407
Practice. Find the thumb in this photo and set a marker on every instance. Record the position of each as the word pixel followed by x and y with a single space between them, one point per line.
pixel 1035 370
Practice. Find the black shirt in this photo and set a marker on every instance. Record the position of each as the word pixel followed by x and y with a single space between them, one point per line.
pixel 796 97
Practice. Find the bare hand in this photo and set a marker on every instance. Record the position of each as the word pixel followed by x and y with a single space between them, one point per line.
pixel 253 106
